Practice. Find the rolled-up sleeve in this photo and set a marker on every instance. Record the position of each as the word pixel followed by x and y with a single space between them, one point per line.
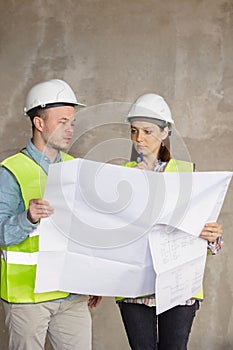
pixel 14 225
pixel 215 248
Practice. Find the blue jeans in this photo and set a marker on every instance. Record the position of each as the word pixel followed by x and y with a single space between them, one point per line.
pixel 174 326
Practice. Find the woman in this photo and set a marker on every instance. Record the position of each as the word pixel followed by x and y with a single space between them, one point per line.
pixel 151 123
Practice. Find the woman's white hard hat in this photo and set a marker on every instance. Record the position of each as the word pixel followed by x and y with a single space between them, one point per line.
pixel 49 93
pixel 151 106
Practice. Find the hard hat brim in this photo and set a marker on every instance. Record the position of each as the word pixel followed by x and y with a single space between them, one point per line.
pixel 157 121
pixel 31 111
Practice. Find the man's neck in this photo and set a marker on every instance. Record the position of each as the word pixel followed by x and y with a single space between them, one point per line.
pixel 50 152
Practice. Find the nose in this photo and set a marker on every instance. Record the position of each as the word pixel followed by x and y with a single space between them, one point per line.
pixel 139 136
pixel 70 128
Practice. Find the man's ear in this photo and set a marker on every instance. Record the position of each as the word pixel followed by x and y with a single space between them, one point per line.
pixel 165 133
pixel 38 123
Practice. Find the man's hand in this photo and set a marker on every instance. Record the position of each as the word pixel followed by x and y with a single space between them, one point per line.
pixel 211 231
pixel 38 209
pixel 94 301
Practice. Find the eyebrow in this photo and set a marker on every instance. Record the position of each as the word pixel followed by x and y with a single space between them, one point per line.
pixel 66 118
pixel 143 128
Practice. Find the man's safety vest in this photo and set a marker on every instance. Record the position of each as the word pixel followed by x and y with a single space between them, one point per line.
pixel 173 166
pixel 18 262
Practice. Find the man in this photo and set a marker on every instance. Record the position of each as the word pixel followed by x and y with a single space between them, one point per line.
pixel 29 317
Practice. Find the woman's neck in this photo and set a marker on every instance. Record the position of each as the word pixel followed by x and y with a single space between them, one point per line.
pixel 151 160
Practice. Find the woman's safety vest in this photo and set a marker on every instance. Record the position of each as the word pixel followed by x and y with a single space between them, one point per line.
pixel 173 165
pixel 18 262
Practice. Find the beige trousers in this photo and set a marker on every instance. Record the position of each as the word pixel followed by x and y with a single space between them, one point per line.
pixel 67 323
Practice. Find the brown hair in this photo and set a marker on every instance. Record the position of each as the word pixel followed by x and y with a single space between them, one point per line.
pixel 164 151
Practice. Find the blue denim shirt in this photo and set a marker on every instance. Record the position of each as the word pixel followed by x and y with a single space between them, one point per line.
pixel 14 225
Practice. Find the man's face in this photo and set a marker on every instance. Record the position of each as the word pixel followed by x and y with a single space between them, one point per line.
pixel 57 127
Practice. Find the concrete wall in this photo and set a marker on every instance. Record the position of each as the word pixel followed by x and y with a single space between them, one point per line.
pixel 114 51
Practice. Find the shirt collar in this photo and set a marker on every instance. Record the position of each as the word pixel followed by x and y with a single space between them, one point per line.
pixel 39 157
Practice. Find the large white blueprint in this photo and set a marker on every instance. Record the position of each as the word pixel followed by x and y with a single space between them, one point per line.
pixel 113 227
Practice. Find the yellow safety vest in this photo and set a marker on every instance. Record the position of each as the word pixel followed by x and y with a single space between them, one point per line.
pixel 18 270
pixel 173 165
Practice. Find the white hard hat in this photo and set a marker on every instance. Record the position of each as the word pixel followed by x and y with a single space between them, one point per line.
pixel 50 93
pixel 150 106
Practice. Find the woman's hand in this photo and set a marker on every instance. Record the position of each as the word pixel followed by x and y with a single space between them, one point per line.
pixel 211 232
pixel 144 166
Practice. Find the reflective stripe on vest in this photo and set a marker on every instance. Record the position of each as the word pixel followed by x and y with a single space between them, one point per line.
pixel 173 165
pixel 18 270
pixel 20 257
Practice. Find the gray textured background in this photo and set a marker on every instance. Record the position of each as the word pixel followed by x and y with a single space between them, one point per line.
pixel 114 51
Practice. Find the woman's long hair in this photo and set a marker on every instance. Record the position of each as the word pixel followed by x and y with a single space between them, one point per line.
pixel 164 151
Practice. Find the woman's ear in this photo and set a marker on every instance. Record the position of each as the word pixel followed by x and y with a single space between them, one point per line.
pixel 165 133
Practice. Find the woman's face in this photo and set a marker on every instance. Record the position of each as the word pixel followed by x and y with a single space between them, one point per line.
pixel 147 137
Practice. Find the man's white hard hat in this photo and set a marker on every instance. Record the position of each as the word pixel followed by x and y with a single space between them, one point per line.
pixel 50 93
pixel 150 106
